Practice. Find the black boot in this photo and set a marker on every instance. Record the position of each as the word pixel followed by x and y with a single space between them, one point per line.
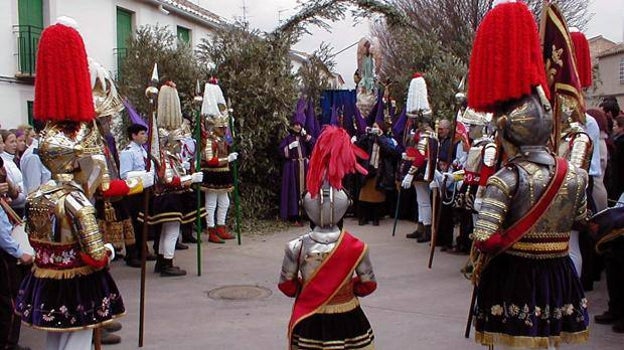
pixel 374 214
pixel 426 236
pixel 418 233
pixel 132 259
pixel 169 270
pixel 187 235
pixel 362 214
pixel 159 263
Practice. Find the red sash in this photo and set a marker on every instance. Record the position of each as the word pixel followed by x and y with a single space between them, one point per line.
pixel 337 268
pixel 516 231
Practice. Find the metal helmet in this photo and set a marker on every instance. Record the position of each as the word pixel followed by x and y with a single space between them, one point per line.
pixel 328 208
pixel 526 121
pixel 75 149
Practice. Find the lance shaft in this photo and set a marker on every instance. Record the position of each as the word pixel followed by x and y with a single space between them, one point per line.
pixel 235 175
pixel 434 224
pixel 198 122
pixel 152 94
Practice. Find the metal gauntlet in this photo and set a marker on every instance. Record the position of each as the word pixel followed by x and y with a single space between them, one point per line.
pixel 82 214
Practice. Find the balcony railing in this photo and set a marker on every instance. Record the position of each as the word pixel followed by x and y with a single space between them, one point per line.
pixel 120 53
pixel 27 42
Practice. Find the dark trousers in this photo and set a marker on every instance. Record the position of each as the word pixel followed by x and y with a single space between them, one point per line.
pixel 9 286
pixel 446 224
pixel 614 264
pixel 134 203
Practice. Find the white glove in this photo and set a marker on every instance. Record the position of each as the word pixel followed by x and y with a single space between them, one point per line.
pixel 489 155
pixel 353 139
pixel 404 156
pixel 449 177
pixel 186 165
pixel 112 251
pixel 407 181
pixel 303 132
pixel 147 179
pixel 477 204
pixel 234 156
pixel 197 177
pixel 293 144
pixel 433 184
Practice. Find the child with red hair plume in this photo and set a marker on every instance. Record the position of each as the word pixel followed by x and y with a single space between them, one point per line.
pixel 327 269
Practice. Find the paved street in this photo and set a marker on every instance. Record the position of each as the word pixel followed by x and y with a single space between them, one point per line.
pixel 413 308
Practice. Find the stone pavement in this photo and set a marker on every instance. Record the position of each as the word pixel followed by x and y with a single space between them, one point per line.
pixel 413 307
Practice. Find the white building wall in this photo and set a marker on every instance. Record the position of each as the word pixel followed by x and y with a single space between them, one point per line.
pixel 97 21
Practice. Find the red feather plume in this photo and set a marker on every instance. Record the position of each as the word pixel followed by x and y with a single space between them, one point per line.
pixel 583 58
pixel 62 83
pixel 506 61
pixel 333 157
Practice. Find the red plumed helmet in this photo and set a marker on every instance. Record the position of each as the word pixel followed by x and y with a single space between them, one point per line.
pixel 506 61
pixel 333 157
pixel 62 82
pixel 583 58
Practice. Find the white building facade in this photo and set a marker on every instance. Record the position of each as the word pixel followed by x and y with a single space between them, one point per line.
pixel 105 26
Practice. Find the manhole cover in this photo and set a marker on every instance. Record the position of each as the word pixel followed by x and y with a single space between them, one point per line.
pixel 239 293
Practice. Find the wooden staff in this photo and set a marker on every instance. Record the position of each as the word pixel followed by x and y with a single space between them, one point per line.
pixel 152 93
pixel 235 174
pixel 434 224
pixel 198 121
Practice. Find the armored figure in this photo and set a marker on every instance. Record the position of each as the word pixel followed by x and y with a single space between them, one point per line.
pixel 481 160
pixel 69 290
pixel 528 292
pixel 215 162
pixel 319 267
pixel 421 155
pixel 172 204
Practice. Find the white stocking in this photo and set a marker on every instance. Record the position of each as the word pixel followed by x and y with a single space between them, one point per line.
pixel 69 340
pixel 424 202
pixel 168 237
pixel 211 207
pixel 575 252
pixel 223 204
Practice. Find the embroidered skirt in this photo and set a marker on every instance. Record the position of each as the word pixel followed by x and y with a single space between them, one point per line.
pixel 174 206
pixel 218 179
pixel 63 305
pixel 531 303
pixel 347 330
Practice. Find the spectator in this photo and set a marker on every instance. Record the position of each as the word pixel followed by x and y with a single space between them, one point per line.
pixel 14 175
pixel 600 192
pixel 617 160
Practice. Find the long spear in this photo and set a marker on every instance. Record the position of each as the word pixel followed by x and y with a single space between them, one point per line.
pixel 235 173
pixel 197 100
pixel 152 93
